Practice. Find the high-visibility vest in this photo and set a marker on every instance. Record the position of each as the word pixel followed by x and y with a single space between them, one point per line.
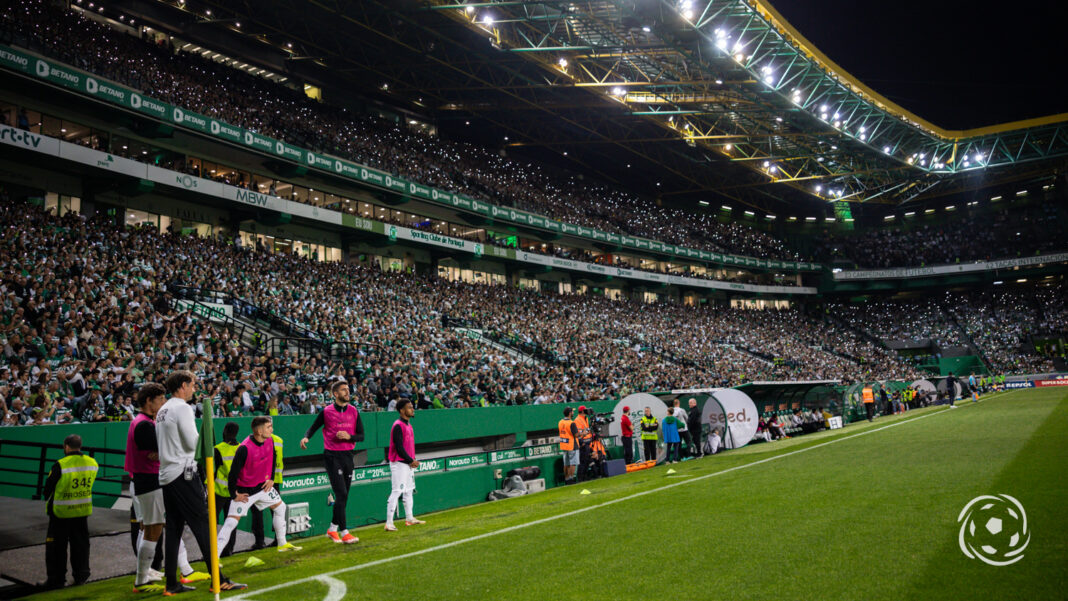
pixel 277 459
pixel 73 497
pixel 583 427
pixel 649 421
pixel 869 395
pixel 222 471
pixel 566 442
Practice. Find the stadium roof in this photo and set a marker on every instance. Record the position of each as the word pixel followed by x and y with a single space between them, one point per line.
pixel 683 99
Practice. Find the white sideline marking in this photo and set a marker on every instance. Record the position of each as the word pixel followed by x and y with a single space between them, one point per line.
pixel 568 514
pixel 337 588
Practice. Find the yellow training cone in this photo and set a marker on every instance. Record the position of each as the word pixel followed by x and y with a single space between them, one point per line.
pixel 671 471
pixel 584 491
pixel 253 562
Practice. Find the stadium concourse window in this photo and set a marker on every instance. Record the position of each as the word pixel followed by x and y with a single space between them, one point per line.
pixel 470 276
pixel 759 304
pixel 650 297
pixel 529 284
pixel 60 204
pixel 565 288
pixel 277 244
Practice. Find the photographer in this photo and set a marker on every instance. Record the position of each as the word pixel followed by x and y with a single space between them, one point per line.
pixel 585 438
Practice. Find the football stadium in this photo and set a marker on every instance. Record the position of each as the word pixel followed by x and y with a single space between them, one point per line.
pixel 507 299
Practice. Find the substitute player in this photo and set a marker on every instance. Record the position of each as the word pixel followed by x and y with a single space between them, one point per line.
pixel 402 465
pixel 251 484
pixel 342 429
pixel 142 463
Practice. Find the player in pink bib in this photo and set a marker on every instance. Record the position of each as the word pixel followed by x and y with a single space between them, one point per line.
pixel 251 483
pixel 402 465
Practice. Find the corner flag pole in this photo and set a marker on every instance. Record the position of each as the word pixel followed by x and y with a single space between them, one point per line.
pixel 207 445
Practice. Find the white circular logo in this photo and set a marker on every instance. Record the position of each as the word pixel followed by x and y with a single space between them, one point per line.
pixel 993 529
pixel 91 85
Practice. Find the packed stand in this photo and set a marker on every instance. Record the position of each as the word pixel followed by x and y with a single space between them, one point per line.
pixel 901 320
pixel 89 314
pixel 1000 322
pixel 1023 231
pixel 190 81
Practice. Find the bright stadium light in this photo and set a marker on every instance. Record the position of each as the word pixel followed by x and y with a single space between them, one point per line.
pixel 886 149
pixel 910 213
pixel 488 20
pixel 721 43
pixel 619 91
pixel 469 9
pixel 562 62
pixel 819 188
pixel 728 147
pixel 703 203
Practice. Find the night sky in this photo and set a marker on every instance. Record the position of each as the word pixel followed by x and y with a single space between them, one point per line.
pixel 957 64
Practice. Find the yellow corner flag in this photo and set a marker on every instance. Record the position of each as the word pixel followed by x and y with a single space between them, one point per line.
pixel 207 450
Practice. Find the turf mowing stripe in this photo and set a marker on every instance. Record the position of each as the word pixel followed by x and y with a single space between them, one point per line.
pixel 385 560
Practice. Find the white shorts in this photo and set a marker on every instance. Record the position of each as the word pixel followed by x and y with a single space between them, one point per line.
pixel 148 507
pixel 262 500
pixel 402 476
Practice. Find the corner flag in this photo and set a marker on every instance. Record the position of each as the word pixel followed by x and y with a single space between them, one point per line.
pixel 206 450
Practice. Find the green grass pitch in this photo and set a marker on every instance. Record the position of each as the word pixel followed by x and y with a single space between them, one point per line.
pixel 867 512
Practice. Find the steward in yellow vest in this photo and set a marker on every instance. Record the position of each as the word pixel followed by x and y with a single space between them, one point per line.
pixel 69 495
pixel 224 458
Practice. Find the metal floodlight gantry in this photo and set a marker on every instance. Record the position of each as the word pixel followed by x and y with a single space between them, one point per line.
pixel 734 77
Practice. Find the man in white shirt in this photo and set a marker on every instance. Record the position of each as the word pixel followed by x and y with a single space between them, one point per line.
pixel 183 490
pixel 684 432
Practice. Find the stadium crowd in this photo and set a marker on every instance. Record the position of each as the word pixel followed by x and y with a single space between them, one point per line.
pixel 1001 321
pixel 1002 234
pixel 190 81
pixel 912 320
pixel 89 313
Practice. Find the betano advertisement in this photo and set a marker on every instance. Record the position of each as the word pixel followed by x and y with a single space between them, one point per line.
pixel 101 89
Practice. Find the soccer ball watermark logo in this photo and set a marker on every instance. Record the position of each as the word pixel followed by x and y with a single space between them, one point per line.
pixel 993 529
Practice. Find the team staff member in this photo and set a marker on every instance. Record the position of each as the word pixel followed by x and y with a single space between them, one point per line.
pixel 142 463
pixel 684 432
pixel 649 427
pixel 627 436
pixel 869 402
pixel 69 491
pixel 402 463
pixel 251 483
pixel 568 444
pixel 183 492
pixel 342 429
pixel 693 422
pixel 224 459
